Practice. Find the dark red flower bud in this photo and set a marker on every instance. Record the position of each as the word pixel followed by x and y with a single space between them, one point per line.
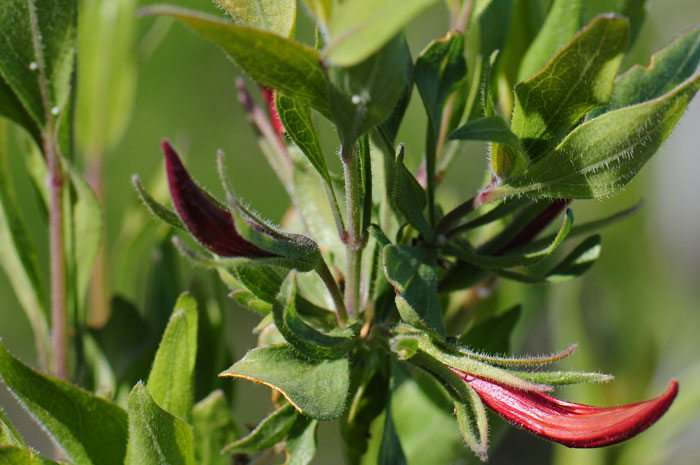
pixel 210 224
pixel 573 425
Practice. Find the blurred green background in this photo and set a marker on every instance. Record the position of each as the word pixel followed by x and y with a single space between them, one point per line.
pixel 636 314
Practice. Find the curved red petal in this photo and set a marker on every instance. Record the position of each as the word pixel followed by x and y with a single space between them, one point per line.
pixel 269 97
pixel 210 224
pixel 574 425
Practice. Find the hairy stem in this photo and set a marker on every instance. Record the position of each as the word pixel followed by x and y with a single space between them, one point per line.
pixel 353 236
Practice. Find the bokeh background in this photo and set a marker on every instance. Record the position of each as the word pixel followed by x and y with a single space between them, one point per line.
pixel 635 314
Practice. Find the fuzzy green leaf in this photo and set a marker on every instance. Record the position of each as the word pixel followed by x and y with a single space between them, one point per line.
pixel 271 430
pixel 89 429
pixel 155 436
pixel 438 73
pixel 490 129
pixel 160 211
pixel 563 378
pixel 668 68
pixel 411 270
pixel 301 443
pixel 358 28
pixel 317 388
pixel 213 429
pixel 563 21
pixel 278 16
pixel 171 377
pixel 11 107
pixel 13 455
pixel 579 78
pixel 599 157
pixel 9 436
pixel 307 340
pixel 363 95
pixel 49 27
pixel 273 61
pixel 409 198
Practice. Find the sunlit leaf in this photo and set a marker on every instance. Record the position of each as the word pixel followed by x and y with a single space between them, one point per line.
pixel 271 15
pixel 271 430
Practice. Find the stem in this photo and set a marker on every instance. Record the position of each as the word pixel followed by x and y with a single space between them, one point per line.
pixel 98 311
pixel 59 318
pixel 353 239
pixel 332 286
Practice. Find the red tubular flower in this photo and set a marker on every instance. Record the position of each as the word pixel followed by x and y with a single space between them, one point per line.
pixel 269 97
pixel 573 425
pixel 210 224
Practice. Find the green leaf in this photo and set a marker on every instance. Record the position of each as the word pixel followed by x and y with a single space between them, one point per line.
pixel 8 433
pixel 411 270
pixel 213 429
pixel 171 377
pixel 579 78
pixel 490 128
pixel 563 21
pixel 13 455
pixel 563 378
pixel 363 95
pixel 271 430
pixel 88 230
pixel 390 452
pixel 18 256
pixel 107 81
pixel 317 388
pixel 668 68
pixel 160 211
pixel 301 443
pixel 50 27
pixel 308 341
pixel 263 281
pixel 270 15
pixel 358 28
pixel 409 197
pixel 439 72
pixel 602 155
pixel 322 9
pixel 155 436
pixel 273 61
pixel 511 259
pixel 89 429
pixel 492 336
pixel 11 107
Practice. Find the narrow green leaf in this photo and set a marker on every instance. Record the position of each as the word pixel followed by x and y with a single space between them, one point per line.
pixel 278 16
pixel 364 95
pixel 499 211
pixel 51 28
pixel 213 429
pixel 13 455
pixel 11 107
pixel 492 336
pixel 307 340
pixel 271 430
pixel 563 378
pixel 471 416
pixel 89 429
pixel 602 155
pixel 390 452
pixel 439 72
pixel 273 61
pixel 263 281
pixel 249 300
pixel 562 22
pixel 358 28
pixel 411 270
pixel 171 378
pixel 520 362
pixel 18 256
pixel 317 388
pixel 409 197
pixel 88 230
pixel 160 211
pixel 530 257
pixel 155 436
pixel 9 436
pixel 579 78
pixel 667 69
pixel 301 443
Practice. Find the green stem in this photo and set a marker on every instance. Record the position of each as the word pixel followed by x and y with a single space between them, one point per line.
pixel 353 237
pixel 332 286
